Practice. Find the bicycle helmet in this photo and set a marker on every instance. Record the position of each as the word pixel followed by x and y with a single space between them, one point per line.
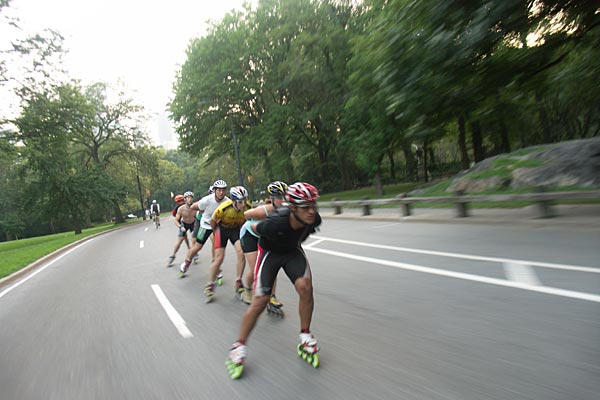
pixel 188 194
pixel 238 193
pixel 153 201
pixel 211 189
pixel 179 198
pixel 219 184
pixel 301 193
pixel 277 188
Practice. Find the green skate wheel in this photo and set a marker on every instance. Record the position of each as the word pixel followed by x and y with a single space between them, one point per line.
pixel 315 361
pixel 234 370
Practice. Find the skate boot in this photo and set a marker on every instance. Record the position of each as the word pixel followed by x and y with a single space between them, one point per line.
pixel 274 307
pixel 235 360
pixel 238 289
pixel 183 268
pixel 209 292
pixel 219 280
pixel 308 348
pixel 170 262
pixel 247 296
pixel 276 303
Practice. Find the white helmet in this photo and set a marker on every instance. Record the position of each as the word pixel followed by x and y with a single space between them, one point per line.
pixel 153 201
pixel 238 193
pixel 219 184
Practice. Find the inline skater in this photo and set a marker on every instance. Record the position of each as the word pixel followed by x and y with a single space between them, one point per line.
pixel 184 221
pixel 249 240
pixel 206 206
pixel 226 222
pixel 280 246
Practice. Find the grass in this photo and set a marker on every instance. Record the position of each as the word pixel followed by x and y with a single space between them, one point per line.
pixel 389 191
pixel 16 254
pixel 504 167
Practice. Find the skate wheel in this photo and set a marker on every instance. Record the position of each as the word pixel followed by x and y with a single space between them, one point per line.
pixel 315 361
pixel 234 370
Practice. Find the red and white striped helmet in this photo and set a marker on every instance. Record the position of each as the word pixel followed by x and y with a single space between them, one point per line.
pixel 301 193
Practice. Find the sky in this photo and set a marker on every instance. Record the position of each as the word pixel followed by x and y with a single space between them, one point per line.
pixel 140 42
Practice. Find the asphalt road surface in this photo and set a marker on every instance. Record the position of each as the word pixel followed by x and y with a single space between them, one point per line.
pixel 402 311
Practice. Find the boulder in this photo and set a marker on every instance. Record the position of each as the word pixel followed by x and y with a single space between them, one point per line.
pixel 572 163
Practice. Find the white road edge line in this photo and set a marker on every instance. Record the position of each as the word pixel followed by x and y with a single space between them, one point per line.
pixel 469 277
pixel 141 244
pixel 467 256
pixel 314 243
pixel 22 281
pixel 521 273
pixel 173 315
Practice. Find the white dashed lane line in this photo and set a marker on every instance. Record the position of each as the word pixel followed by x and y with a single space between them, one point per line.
pixel 173 315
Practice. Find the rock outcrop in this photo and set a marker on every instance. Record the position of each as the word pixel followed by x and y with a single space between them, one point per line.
pixel 574 163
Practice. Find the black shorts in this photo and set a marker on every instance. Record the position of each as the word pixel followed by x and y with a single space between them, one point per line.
pixel 249 243
pixel 295 264
pixel 203 235
pixel 188 227
pixel 222 235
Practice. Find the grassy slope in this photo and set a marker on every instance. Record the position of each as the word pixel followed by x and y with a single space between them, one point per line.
pixel 17 254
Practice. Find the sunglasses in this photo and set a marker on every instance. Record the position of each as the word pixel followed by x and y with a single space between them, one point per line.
pixel 308 206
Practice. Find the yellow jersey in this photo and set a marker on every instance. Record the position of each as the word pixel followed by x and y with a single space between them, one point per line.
pixel 227 216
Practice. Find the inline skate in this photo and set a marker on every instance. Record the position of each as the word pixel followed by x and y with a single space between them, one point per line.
pixel 274 307
pixel 235 360
pixel 307 349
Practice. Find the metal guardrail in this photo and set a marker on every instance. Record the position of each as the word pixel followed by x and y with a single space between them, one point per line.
pixel 541 198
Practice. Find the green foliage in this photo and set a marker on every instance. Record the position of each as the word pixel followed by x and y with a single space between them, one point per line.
pixel 503 168
pixel 369 192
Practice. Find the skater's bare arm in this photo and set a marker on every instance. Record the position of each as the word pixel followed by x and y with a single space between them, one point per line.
pixel 259 212
pixel 177 218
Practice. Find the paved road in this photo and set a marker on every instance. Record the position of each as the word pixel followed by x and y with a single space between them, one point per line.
pixel 403 311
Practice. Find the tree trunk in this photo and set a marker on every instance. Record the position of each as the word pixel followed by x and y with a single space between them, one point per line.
pixel 345 171
pixel 431 156
pixel 462 143
pixel 378 184
pixel 504 140
pixel 425 155
pixel 476 137
pixel 543 115
pixel 139 185
pixel 118 215
pixel 390 155
pixel 76 221
pixel 411 168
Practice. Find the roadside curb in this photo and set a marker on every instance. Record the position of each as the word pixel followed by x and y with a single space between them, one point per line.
pixel 533 222
pixel 567 217
pixel 48 257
